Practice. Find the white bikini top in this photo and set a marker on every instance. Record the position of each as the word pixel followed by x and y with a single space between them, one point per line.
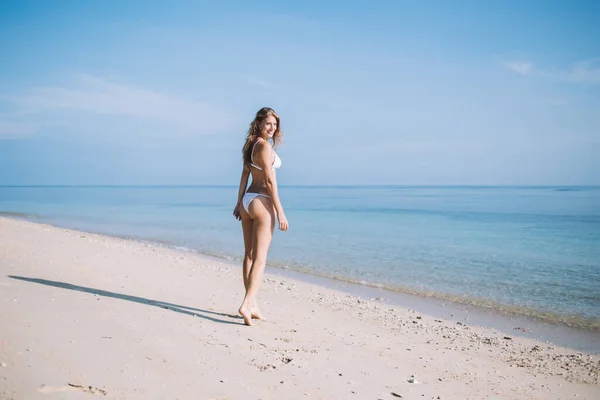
pixel 276 159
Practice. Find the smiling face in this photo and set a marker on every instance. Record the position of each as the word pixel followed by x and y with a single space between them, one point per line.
pixel 268 127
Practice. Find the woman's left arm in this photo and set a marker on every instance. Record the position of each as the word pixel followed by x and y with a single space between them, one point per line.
pixel 241 191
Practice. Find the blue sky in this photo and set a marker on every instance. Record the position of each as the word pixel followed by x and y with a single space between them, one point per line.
pixel 393 92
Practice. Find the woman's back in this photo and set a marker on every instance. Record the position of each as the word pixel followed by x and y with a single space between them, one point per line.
pixel 260 155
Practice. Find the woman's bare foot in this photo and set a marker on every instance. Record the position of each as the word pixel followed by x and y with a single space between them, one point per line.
pixel 256 314
pixel 247 315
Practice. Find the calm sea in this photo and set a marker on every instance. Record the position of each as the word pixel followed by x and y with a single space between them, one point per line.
pixel 533 251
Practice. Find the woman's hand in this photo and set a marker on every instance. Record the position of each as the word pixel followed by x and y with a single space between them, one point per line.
pixel 283 222
pixel 236 212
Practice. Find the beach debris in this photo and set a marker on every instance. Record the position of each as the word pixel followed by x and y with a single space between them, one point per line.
pixel 71 387
pixel 88 389
pixel 266 367
pixel 396 395
pixel 413 379
pixel 286 360
pixel 507 338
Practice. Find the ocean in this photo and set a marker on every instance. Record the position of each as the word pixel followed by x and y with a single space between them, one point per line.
pixel 529 251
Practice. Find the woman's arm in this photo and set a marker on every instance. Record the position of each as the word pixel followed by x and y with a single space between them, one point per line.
pixel 265 161
pixel 243 184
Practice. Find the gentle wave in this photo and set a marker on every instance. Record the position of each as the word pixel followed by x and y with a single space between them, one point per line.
pixel 19 215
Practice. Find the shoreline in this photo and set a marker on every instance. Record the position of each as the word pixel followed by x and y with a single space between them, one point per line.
pixel 505 319
pixel 515 325
pixel 134 320
pixel 559 332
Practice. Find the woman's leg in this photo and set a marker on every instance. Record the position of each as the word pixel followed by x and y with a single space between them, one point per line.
pixel 261 210
pixel 248 231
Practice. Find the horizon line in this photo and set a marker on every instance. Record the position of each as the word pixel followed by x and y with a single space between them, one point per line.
pixel 306 185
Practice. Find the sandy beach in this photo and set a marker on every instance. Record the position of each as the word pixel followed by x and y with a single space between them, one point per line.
pixel 84 315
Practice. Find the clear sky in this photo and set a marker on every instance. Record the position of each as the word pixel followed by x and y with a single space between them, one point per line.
pixel 497 92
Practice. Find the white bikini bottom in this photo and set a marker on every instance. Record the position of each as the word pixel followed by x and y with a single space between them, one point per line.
pixel 247 199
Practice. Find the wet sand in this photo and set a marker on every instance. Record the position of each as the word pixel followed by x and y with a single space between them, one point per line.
pixel 89 315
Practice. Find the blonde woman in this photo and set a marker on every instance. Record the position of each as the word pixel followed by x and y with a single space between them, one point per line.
pixel 259 205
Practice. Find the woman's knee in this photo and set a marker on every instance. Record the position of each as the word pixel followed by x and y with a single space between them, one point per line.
pixel 259 258
pixel 248 255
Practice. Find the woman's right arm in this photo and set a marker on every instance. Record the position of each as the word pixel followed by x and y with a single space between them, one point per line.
pixel 243 184
pixel 265 161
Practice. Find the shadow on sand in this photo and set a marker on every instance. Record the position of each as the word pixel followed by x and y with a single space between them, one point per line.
pixel 197 312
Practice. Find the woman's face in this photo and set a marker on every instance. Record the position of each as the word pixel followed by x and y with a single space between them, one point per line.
pixel 268 127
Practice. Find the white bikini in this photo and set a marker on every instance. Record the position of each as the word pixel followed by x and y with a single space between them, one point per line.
pixel 248 196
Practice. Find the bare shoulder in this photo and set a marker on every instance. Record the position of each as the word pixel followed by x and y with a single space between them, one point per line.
pixel 263 146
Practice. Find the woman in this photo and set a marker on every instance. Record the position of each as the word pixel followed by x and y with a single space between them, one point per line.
pixel 258 206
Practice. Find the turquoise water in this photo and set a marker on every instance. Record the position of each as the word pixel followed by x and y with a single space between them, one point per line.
pixel 529 250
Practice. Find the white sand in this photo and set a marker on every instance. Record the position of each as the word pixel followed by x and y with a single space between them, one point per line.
pixel 84 315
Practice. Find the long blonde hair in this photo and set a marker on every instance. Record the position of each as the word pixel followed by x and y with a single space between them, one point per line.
pixel 254 132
